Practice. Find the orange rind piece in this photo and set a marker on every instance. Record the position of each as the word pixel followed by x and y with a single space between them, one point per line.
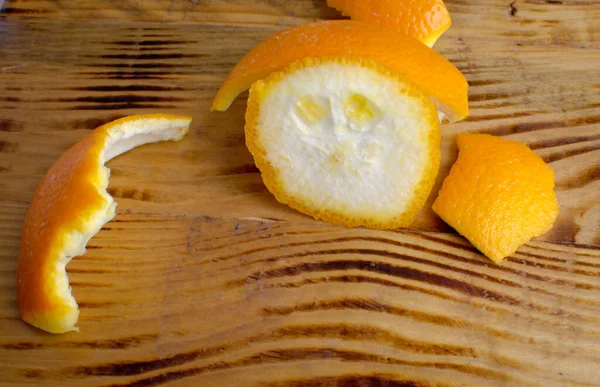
pixel 499 195
pixel 425 20
pixel 69 207
pixel 427 69
pixel 345 140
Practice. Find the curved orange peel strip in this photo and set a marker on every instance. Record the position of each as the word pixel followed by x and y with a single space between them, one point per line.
pixel 435 75
pixel 345 140
pixel 69 207
pixel 425 20
pixel 499 194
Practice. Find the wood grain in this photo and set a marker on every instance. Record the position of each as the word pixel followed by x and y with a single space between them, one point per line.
pixel 204 279
pixel 565 23
pixel 209 300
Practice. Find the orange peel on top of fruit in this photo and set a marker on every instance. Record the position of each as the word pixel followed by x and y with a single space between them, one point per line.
pixel 345 140
pixel 70 206
pixel 427 69
pixel 425 20
pixel 499 194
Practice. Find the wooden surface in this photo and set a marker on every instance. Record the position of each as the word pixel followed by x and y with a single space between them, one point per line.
pixel 204 279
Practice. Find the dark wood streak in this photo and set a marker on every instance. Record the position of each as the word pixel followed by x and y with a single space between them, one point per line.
pixel 98 304
pixel 122 343
pixel 381 380
pixel 120 106
pixel 496 117
pixel 561 141
pixel 580 179
pixel 21 11
pixel 495 105
pixel 240 170
pixel 95 271
pixel 349 332
pixel 374 306
pixel 416 316
pixel 115 88
pixel 422 260
pixel 111 99
pixel 150 42
pixel 524 127
pixel 78 284
pixel 561 155
pixel 126 75
pixel 490 96
pixel 147 56
pixel 8 125
pixel 306 354
pixel 467 247
pixel 569 263
pixel 376 267
pixel 554 267
pixel 486 82
pixel 406 273
pixel 157 65
pixel 8 147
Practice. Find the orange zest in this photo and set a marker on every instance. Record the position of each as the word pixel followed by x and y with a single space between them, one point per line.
pixel 427 69
pixel 425 20
pixel 499 194
pixel 69 207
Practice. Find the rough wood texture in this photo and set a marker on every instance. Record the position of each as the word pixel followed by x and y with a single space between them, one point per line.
pixel 184 288
pixel 210 301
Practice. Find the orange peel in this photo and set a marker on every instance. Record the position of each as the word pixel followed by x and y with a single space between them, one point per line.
pixel 345 140
pixel 427 69
pixel 425 20
pixel 69 207
pixel 499 194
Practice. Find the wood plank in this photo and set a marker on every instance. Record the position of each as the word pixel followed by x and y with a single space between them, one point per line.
pixel 187 287
pixel 114 68
pixel 211 300
pixel 573 24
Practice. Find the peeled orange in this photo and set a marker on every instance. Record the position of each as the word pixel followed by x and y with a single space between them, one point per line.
pixel 499 194
pixel 427 69
pixel 345 140
pixel 425 20
pixel 69 207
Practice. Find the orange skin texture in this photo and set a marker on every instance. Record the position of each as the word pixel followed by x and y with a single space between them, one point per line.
pixel 62 198
pixel 499 195
pixel 435 75
pixel 66 198
pixel 424 20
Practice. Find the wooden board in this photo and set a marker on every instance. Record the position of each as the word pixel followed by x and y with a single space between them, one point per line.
pixel 187 286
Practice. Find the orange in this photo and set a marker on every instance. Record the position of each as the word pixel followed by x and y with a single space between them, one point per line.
pixel 427 69
pixel 69 207
pixel 425 20
pixel 345 140
pixel 499 194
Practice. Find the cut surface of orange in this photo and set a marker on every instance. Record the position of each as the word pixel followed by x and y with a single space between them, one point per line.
pixel 437 77
pixel 345 140
pixel 499 195
pixel 69 207
pixel 425 20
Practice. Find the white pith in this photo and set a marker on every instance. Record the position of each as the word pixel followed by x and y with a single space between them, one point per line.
pixel 364 167
pixel 121 138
